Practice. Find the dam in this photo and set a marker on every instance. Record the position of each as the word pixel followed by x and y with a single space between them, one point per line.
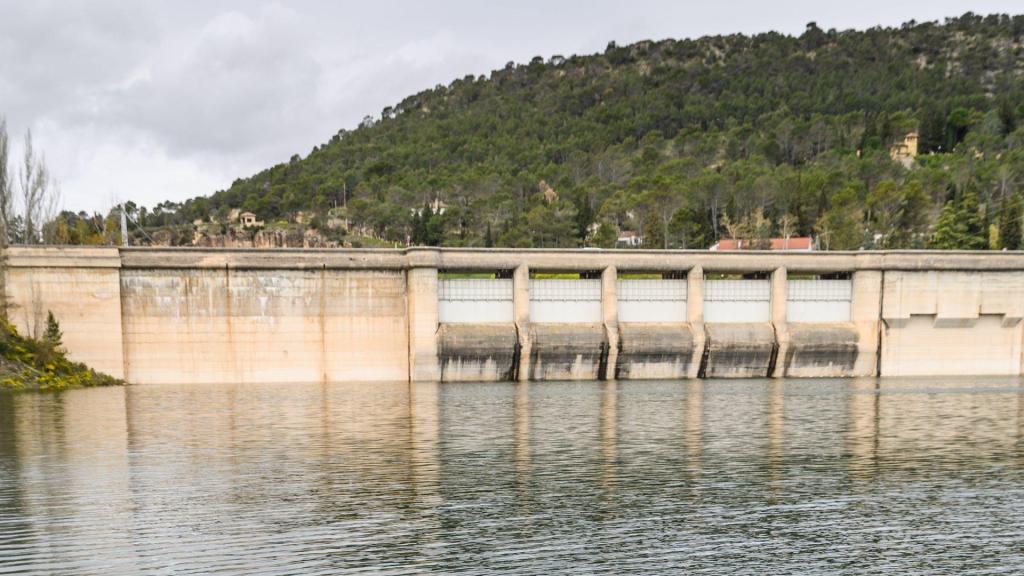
pixel 196 315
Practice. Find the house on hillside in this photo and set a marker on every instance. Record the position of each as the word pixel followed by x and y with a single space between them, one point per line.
pixel 436 207
pixel 905 150
pixel 629 239
pixel 248 220
pixel 549 193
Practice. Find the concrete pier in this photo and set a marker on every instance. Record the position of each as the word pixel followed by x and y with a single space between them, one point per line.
pixel 220 315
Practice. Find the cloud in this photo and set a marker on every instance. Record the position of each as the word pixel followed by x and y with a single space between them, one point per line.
pixel 239 82
pixel 165 100
pixel 127 164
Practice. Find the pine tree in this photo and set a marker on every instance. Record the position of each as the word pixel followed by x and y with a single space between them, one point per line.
pixel 433 227
pixel 842 226
pixel 976 229
pixel 1010 223
pixel 932 129
pixel 489 237
pixel 418 233
pixel 1007 116
pixel 950 230
pixel 605 236
pixel 53 335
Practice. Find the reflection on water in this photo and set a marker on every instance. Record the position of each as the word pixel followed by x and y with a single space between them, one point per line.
pixel 764 476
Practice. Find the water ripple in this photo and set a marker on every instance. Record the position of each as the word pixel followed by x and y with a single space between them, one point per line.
pixel 697 477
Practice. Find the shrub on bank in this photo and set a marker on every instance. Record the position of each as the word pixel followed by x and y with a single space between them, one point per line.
pixel 41 364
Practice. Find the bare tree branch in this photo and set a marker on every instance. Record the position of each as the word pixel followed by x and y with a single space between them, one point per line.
pixel 6 185
pixel 36 191
pixel 6 212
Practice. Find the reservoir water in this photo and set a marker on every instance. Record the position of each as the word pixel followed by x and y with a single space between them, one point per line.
pixel 716 476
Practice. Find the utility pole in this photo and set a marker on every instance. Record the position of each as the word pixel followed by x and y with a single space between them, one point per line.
pixel 124 227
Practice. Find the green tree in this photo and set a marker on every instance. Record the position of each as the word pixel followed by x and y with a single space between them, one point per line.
pixel 899 215
pixel 912 223
pixel 552 225
pixel 772 122
pixel 956 126
pixel 1007 116
pixel 692 230
pixel 664 202
pixel 488 237
pixel 961 224
pixel 53 334
pixel 841 226
pixel 950 230
pixel 605 236
pixel 1010 223
pixel 974 221
pixel 932 131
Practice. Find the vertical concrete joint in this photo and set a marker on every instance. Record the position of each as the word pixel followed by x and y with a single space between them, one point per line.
pixel 779 299
pixel 866 313
pixel 422 310
pixel 695 317
pixel 610 316
pixel 521 311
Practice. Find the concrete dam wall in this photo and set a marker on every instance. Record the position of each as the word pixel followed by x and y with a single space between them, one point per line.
pixel 155 315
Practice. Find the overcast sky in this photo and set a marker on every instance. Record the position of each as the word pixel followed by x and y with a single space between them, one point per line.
pixel 149 101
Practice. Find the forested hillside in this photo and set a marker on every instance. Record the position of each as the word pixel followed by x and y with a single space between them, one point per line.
pixel 684 141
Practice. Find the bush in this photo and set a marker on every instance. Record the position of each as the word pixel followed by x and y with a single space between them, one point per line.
pixel 29 364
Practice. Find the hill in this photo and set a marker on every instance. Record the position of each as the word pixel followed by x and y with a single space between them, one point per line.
pixel 683 141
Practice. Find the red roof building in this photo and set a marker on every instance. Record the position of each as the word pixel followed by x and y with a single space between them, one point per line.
pixel 798 243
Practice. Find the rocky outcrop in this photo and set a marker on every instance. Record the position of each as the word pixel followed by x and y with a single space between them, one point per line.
pixel 266 238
